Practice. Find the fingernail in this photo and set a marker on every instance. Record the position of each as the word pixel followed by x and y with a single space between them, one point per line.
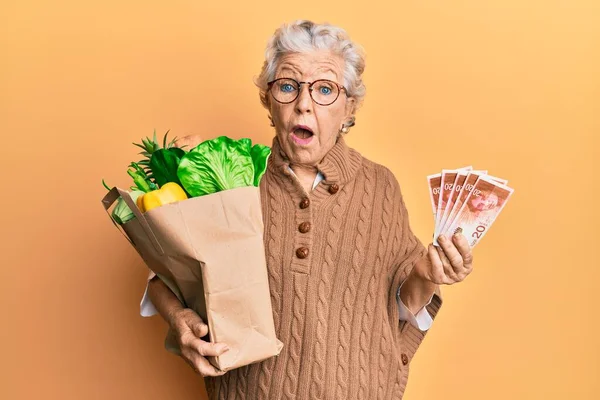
pixel 456 235
pixel 223 348
pixel 441 238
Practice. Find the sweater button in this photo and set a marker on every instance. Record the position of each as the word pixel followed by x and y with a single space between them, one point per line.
pixel 333 189
pixel 304 203
pixel 304 227
pixel 302 252
pixel 404 359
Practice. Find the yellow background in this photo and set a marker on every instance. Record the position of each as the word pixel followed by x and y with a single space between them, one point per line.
pixel 508 85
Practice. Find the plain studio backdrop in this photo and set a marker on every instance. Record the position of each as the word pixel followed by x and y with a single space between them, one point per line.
pixel 511 86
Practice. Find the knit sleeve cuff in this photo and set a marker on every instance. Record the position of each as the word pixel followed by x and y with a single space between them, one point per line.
pixel 412 335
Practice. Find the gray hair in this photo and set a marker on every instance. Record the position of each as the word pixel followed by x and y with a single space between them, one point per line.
pixel 305 36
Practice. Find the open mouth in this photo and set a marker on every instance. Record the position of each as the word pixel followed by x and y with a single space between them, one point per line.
pixel 302 134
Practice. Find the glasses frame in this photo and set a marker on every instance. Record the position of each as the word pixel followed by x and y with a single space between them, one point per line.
pixel 310 90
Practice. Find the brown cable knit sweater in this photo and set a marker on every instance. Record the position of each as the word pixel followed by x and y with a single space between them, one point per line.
pixel 336 257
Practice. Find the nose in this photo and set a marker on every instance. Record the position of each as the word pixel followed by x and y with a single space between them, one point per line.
pixel 304 103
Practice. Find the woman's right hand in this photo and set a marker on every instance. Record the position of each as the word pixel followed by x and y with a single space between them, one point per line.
pixel 189 329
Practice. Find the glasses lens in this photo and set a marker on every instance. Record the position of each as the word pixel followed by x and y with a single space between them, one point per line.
pixel 285 90
pixel 324 92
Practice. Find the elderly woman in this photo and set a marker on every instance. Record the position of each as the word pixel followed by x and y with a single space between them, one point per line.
pixel 353 290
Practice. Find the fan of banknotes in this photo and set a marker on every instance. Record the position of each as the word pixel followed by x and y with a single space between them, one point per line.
pixel 467 201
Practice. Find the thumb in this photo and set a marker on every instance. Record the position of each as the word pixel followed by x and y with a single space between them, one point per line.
pixel 199 328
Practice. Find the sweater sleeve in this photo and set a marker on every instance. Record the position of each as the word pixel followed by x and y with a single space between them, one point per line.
pixel 407 250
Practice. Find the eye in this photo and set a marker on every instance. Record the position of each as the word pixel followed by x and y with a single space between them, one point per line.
pixel 325 88
pixel 287 87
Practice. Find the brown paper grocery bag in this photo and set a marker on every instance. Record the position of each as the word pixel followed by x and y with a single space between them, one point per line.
pixel 209 250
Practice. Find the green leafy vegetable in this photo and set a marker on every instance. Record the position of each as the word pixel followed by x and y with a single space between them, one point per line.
pixel 221 164
pixel 122 213
pixel 150 147
pixel 260 154
pixel 164 163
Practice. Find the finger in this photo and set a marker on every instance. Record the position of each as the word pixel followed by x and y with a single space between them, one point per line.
pixel 448 271
pixel 464 248
pixel 455 258
pixel 206 349
pixel 199 328
pixel 437 274
pixel 203 367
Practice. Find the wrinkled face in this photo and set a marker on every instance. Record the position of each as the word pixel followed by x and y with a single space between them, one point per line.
pixel 307 130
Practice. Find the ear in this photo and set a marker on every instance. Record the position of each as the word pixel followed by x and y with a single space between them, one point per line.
pixel 350 107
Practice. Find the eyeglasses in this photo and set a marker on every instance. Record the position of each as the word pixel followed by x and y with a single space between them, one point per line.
pixel 286 90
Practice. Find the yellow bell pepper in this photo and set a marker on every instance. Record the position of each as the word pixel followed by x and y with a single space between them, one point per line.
pixel 170 192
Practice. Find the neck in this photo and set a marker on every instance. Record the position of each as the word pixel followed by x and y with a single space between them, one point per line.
pixel 305 175
pixel 339 165
pixel 301 170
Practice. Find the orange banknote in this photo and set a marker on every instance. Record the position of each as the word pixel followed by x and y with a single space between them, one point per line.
pixel 466 200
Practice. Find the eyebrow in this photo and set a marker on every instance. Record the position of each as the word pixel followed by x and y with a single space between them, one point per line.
pixel 321 70
pixel 331 70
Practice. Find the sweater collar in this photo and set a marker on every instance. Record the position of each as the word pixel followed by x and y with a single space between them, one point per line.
pixel 339 165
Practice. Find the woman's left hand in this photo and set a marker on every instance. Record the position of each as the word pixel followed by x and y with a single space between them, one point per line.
pixel 450 263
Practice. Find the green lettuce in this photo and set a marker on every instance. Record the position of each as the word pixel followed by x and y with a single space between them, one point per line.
pixel 222 164
pixel 122 213
pixel 260 154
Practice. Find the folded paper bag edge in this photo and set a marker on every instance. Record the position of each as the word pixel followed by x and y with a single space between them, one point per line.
pixel 223 364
